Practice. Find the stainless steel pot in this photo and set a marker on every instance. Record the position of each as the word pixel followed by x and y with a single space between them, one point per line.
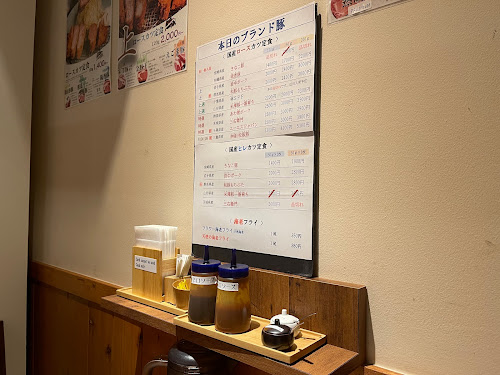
pixel 187 358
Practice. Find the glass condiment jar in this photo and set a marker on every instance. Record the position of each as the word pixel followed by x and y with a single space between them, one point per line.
pixel 203 292
pixel 232 309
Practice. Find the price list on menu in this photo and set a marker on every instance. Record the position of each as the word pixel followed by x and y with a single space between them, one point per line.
pixel 254 139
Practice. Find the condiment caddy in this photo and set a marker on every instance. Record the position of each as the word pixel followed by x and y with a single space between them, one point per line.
pixel 251 340
pixel 215 301
pixel 232 321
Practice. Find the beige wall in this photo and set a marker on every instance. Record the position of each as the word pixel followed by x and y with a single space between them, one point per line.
pixel 409 169
pixel 16 68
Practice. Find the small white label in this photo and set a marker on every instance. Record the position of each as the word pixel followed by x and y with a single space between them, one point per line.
pixel 277 328
pixel 145 264
pixel 361 7
pixel 228 287
pixel 204 280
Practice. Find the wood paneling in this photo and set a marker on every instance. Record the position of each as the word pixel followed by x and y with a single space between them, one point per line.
pixel 60 333
pixel 156 344
pixel 340 307
pixel 79 285
pixel 100 341
pixel 126 348
pixel 73 337
pixel 72 334
pixel 269 292
pixel 340 311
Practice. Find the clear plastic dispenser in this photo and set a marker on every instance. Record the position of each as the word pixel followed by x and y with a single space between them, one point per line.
pixel 232 310
pixel 203 293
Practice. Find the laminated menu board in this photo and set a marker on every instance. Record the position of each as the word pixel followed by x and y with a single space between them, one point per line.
pixel 152 40
pixel 88 50
pixel 255 143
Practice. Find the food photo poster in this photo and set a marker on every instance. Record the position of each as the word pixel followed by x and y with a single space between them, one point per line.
pixel 88 50
pixel 152 40
pixel 339 10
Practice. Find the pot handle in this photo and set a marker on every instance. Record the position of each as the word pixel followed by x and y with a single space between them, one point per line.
pixel 151 365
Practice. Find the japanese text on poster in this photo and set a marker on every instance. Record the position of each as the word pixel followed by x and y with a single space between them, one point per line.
pixel 88 50
pixel 152 40
pixel 254 142
pixel 343 9
pixel 257 82
pixel 255 195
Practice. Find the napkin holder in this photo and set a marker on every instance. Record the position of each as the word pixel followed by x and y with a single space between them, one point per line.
pixel 148 271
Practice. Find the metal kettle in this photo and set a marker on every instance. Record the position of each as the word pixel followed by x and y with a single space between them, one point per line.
pixel 187 358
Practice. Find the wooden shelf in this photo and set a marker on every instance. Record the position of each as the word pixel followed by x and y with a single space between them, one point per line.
pixel 328 359
pixel 138 312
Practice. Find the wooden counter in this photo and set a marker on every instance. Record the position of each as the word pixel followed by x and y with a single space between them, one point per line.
pixel 328 359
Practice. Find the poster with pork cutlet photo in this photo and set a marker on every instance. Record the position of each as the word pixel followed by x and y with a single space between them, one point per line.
pixel 88 50
pixel 152 40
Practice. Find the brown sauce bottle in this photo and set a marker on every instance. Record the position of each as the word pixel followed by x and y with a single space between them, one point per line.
pixel 203 293
pixel 232 309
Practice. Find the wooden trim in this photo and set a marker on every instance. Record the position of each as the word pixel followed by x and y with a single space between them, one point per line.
pixel 375 370
pixel 77 284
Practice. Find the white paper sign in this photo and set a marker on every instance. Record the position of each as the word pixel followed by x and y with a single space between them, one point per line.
pixel 258 82
pixel 145 264
pixel 256 195
pixel 254 141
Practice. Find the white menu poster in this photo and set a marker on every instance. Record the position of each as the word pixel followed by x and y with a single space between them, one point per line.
pixel 88 50
pixel 254 140
pixel 152 40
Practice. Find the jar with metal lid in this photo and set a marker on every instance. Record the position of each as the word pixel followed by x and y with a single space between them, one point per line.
pixel 203 292
pixel 232 309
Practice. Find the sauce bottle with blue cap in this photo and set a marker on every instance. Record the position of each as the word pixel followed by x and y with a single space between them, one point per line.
pixel 203 292
pixel 232 309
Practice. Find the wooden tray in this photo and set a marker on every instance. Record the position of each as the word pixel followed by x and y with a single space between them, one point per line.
pixel 251 340
pixel 165 306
